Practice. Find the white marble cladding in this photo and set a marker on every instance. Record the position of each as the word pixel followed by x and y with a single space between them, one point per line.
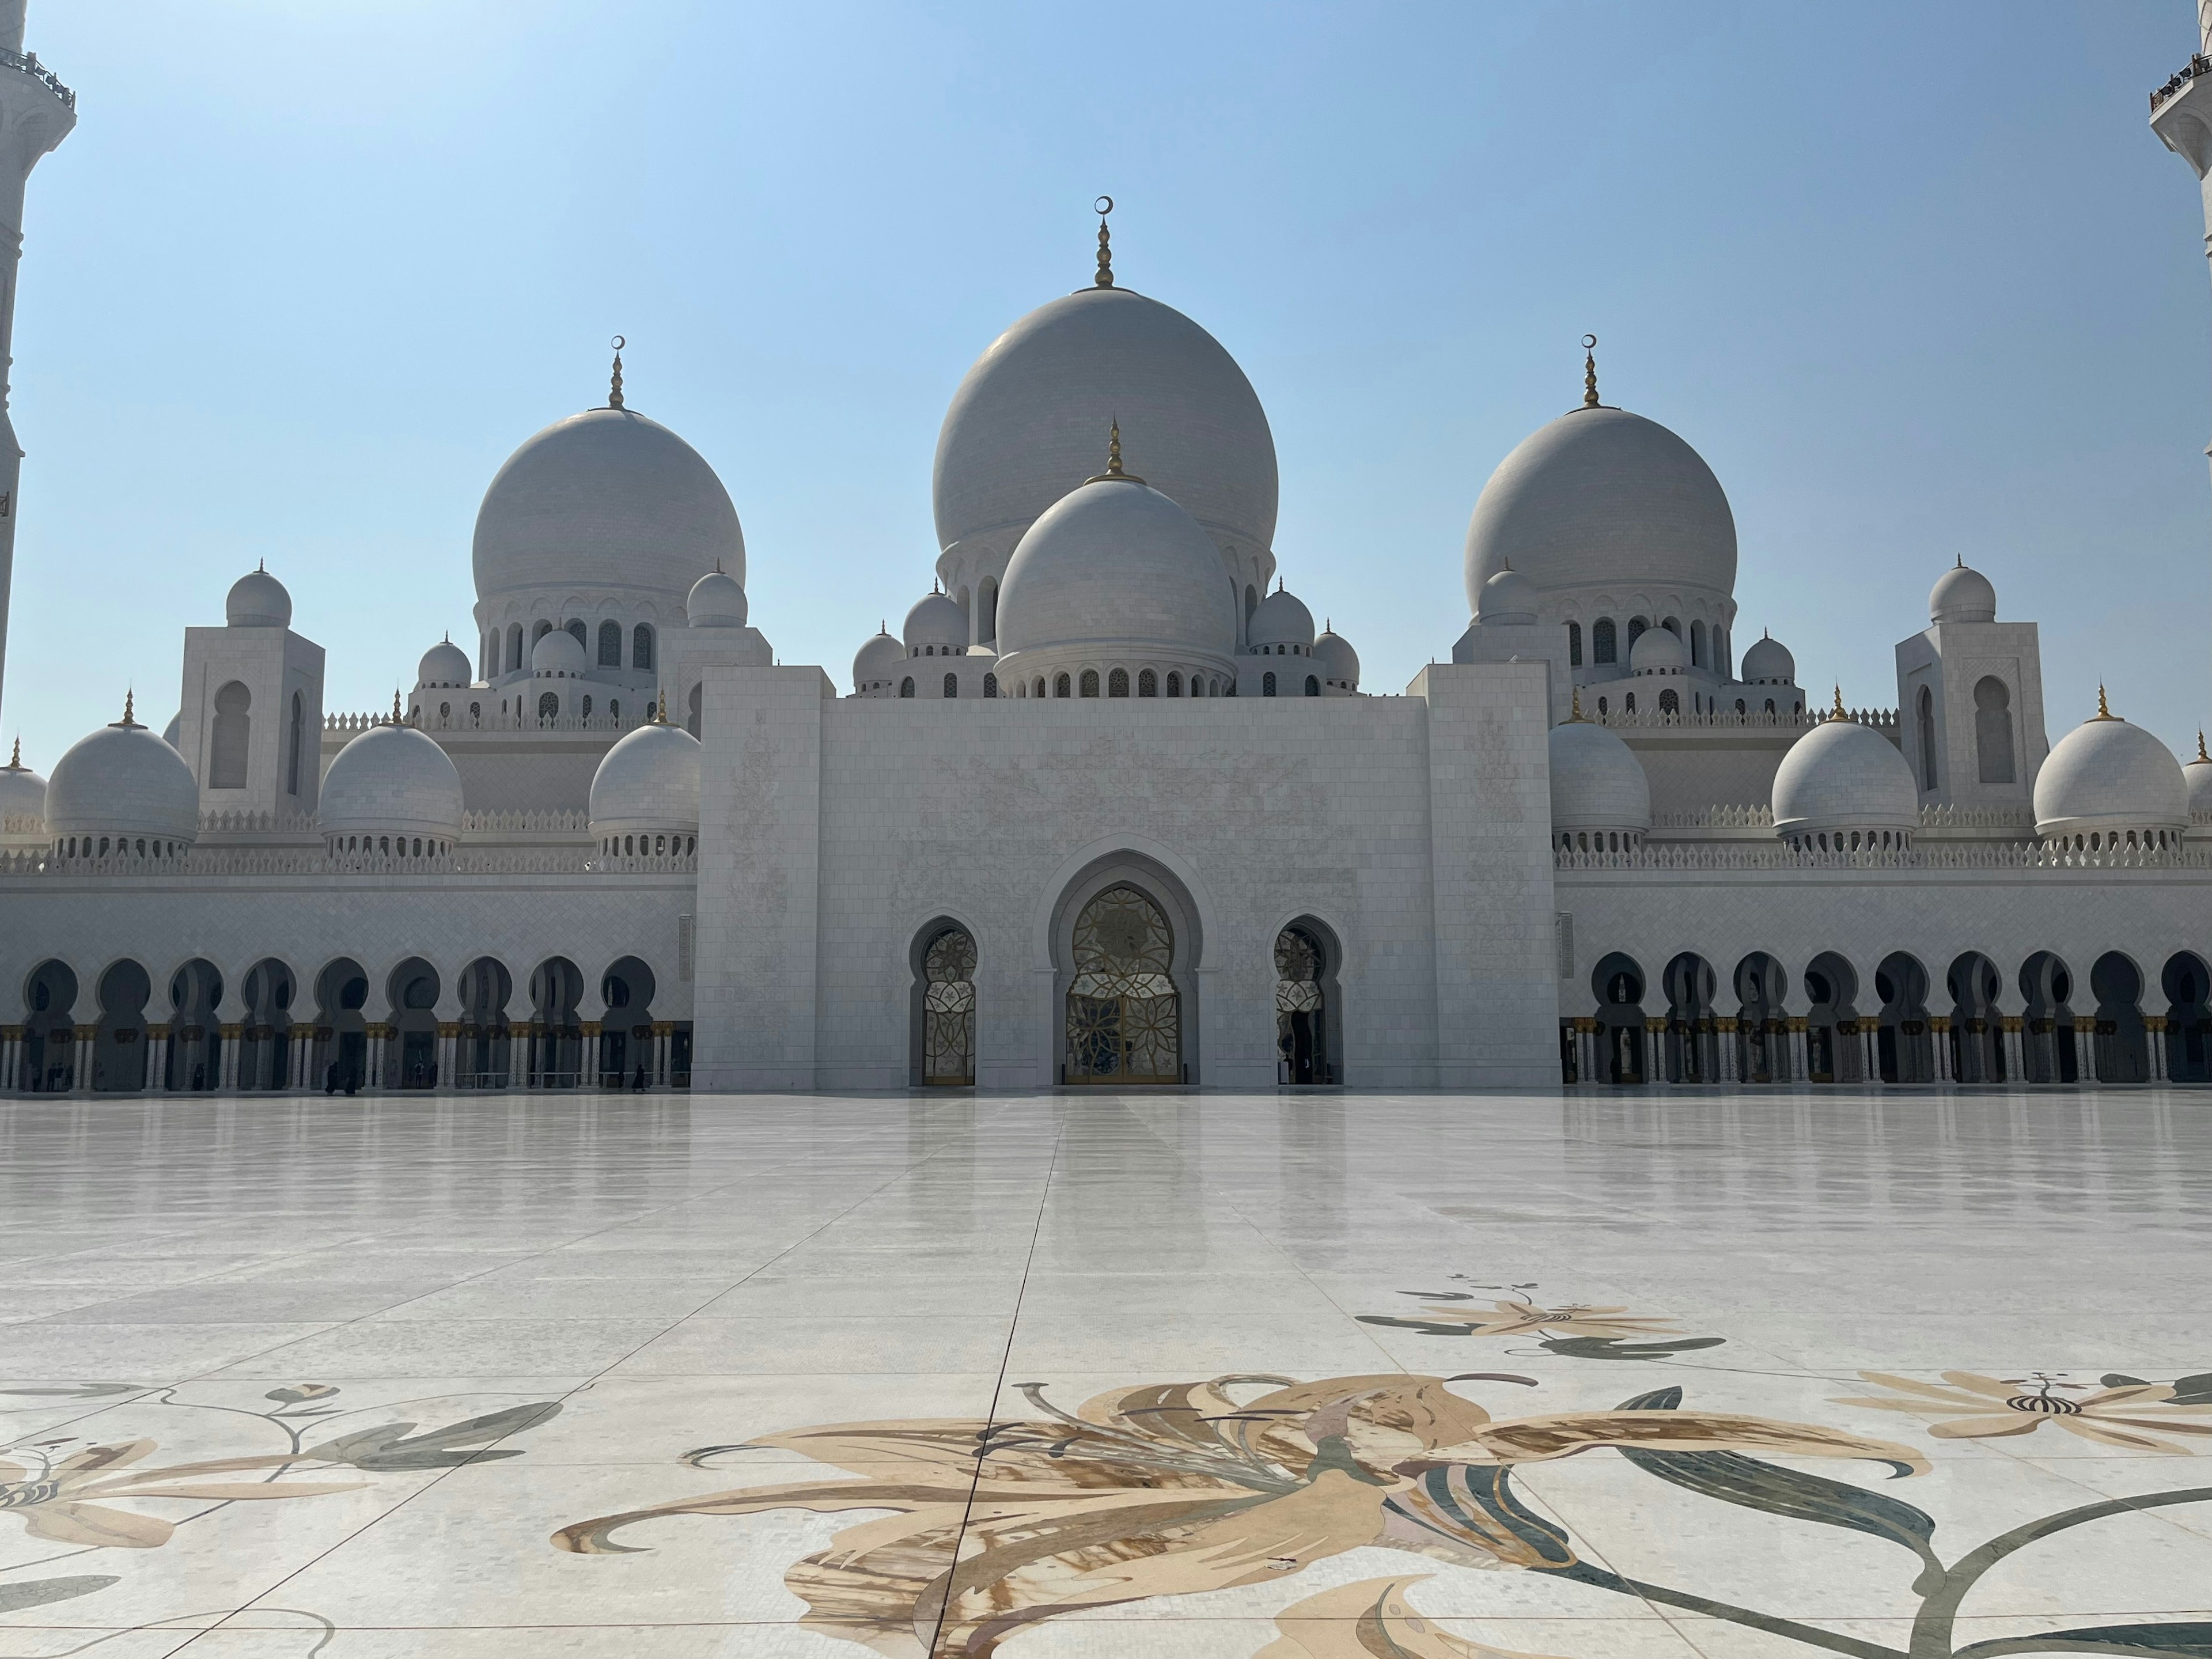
pixel 1412 829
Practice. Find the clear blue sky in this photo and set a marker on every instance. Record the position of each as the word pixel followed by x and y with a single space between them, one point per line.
pixel 1916 280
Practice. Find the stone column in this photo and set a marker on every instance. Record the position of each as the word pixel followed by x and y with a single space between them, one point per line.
pixel 663 1032
pixel 1801 1068
pixel 231 1056
pixel 11 1058
pixel 2154 1034
pixel 80 1059
pixel 2015 1051
pixel 1654 1051
pixel 1729 1066
pixel 449 1054
pixel 2085 1048
pixel 1586 1035
pixel 587 1063
pixel 378 1043
pixel 1938 1032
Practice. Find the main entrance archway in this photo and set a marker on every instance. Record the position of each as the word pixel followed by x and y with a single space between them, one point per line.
pixel 1124 1014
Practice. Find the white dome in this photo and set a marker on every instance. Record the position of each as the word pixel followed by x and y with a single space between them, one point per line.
pixel 1597 783
pixel 258 599
pixel 391 779
pixel 717 600
pixel 2198 774
pixel 1338 660
pixel 172 733
pixel 123 781
pixel 1603 498
pixel 1962 595
pixel 1657 651
pixel 444 664
pixel 1843 775
pixel 2104 775
pixel 1506 598
pixel 1117 563
pixel 1767 663
pixel 1023 428
pixel 22 796
pixel 1281 618
pixel 938 620
pixel 559 655
pixel 877 661
pixel 605 500
pixel 649 781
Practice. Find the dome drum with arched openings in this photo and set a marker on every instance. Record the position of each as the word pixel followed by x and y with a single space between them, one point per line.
pixel 390 781
pixel 121 787
pixel 1844 788
pixel 647 785
pixel 2109 784
pixel 1600 793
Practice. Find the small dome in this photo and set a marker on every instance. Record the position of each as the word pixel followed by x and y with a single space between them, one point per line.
pixel 878 661
pixel 2198 774
pixel 1116 563
pixel 258 599
pixel 936 620
pixel 606 499
pixel 649 781
pixel 1601 497
pixel 22 796
pixel 718 600
pixel 1843 776
pixel 1597 783
pixel 444 664
pixel 1962 594
pixel 1657 651
pixel 392 780
pixel 173 733
pixel 123 781
pixel 2104 775
pixel 559 655
pixel 1281 618
pixel 1767 663
pixel 1506 598
pixel 1338 660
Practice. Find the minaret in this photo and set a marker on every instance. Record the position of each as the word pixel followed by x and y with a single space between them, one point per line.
pixel 2181 116
pixel 36 113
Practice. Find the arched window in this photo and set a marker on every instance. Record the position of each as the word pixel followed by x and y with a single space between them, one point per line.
pixel 1698 645
pixel 1669 703
pixel 578 632
pixel 475 713
pixel 1117 683
pixel 1927 706
pixel 1672 625
pixel 948 1010
pixel 990 685
pixel 1040 686
pixel 906 686
pixel 692 719
pixel 614 708
pixel 293 742
pixel 1267 684
pixel 1313 686
pixel 1603 711
pixel 1175 684
pixel 549 705
pixel 513 646
pixel 1124 1014
pixel 610 645
pixel 1770 705
pixel 1637 626
pixel 1993 729
pixel 1628 703
pixel 953 685
pixel 987 611
pixel 226 749
pixel 1603 647
pixel 586 711
pixel 1090 681
pixel 641 647
pixel 1060 685
pixel 539 631
pixel 1148 683
pixel 1574 645
pixel 1301 1017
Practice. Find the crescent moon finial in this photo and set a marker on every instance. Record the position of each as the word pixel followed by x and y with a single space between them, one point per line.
pixel 614 380
pixel 1590 372
pixel 1102 207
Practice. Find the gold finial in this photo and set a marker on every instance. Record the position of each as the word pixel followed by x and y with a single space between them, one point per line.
pixel 1114 474
pixel 395 708
pixel 614 389
pixel 2104 709
pixel 1589 371
pixel 2202 758
pixel 15 760
pixel 130 720
pixel 1577 713
pixel 1839 714
pixel 1102 207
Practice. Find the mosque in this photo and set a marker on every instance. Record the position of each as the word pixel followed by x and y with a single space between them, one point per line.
pixel 1109 808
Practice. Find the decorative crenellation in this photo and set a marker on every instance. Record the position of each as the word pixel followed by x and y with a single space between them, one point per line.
pixel 531 821
pixel 491 719
pixel 1972 855
pixel 257 824
pixel 26 63
pixel 1717 818
pixel 1883 720
pixel 471 862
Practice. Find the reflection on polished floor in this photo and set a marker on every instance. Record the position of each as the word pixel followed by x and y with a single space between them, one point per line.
pixel 1328 1377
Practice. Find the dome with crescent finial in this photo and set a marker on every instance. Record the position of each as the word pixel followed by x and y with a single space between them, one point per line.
pixel 122 789
pixel 2107 778
pixel 258 599
pixel 22 803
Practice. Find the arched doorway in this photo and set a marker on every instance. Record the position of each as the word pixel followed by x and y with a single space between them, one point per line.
pixel 1762 1031
pixel 484 1055
pixel 340 1028
pixel 1832 1046
pixel 626 1057
pixel 2046 1028
pixel 1617 980
pixel 413 1050
pixel 264 1046
pixel 1692 1047
pixel 118 1049
pixel 195 1039
pixel 1306 1025
pixel 944 1008
pixel 1124 1015
pixel 1977 1027
pixel 49 1062
pixel 1905 1049
pixel 2188 985
pixel 557 1035
pixel 2123 1046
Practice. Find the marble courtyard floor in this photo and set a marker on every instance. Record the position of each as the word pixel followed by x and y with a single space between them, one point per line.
pixel 1338 1377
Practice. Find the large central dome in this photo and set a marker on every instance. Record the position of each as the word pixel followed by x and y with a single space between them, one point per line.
pixel 1026 425
pixel 606 501
pixel 1602 498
